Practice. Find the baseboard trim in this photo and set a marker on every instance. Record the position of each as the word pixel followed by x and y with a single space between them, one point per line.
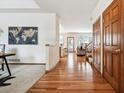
pixel 96 69
pixel 27 63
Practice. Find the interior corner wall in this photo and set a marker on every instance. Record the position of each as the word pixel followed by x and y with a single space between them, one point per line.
pixel 57 36
pixel 100 8
pixel 46 24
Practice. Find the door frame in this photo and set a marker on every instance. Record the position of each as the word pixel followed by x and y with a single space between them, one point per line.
pixel 122 47
pixel 73 43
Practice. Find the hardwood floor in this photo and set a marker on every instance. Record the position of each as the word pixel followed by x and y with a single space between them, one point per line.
pixel 72 75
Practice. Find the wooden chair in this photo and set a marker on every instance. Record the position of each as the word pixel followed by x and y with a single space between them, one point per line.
pixel 2 50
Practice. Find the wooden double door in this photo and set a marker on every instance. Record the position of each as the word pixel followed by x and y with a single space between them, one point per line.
pixel 112 44
pixel 97 45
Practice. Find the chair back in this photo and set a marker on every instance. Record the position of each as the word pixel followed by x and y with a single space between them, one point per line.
pixel 2 48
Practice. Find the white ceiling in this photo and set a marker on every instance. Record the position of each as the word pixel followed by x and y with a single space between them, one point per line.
pixel 18 4
pixel 74 14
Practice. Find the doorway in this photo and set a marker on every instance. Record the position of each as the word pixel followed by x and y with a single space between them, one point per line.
pixel 70 44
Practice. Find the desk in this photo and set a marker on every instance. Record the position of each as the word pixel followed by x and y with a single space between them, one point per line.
pixel 3 56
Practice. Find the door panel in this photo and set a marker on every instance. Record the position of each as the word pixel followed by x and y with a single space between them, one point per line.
pixel 108 36
pixel 111 27
pixel 115 33
pixel 115 63
pixel 108 63
pixel 122 47
pixel 96 45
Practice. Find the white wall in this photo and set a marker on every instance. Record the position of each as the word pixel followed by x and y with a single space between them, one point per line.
pixel 100 7
pixel 52 51
pixel 52 56
pixel 47 34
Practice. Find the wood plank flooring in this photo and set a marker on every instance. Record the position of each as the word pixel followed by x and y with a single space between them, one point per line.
pixel 72 75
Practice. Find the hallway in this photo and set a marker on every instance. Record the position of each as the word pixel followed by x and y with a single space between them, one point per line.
pixel 72 75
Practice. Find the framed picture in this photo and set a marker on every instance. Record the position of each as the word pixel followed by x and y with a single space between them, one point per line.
pixel 23 35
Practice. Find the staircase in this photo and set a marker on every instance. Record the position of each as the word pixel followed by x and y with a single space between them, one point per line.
pixel 89 52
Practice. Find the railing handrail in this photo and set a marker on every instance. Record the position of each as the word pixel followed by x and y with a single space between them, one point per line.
pixel 89 44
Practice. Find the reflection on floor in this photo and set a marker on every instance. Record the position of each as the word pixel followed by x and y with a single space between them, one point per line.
pixel 72 75
pixel 26 76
